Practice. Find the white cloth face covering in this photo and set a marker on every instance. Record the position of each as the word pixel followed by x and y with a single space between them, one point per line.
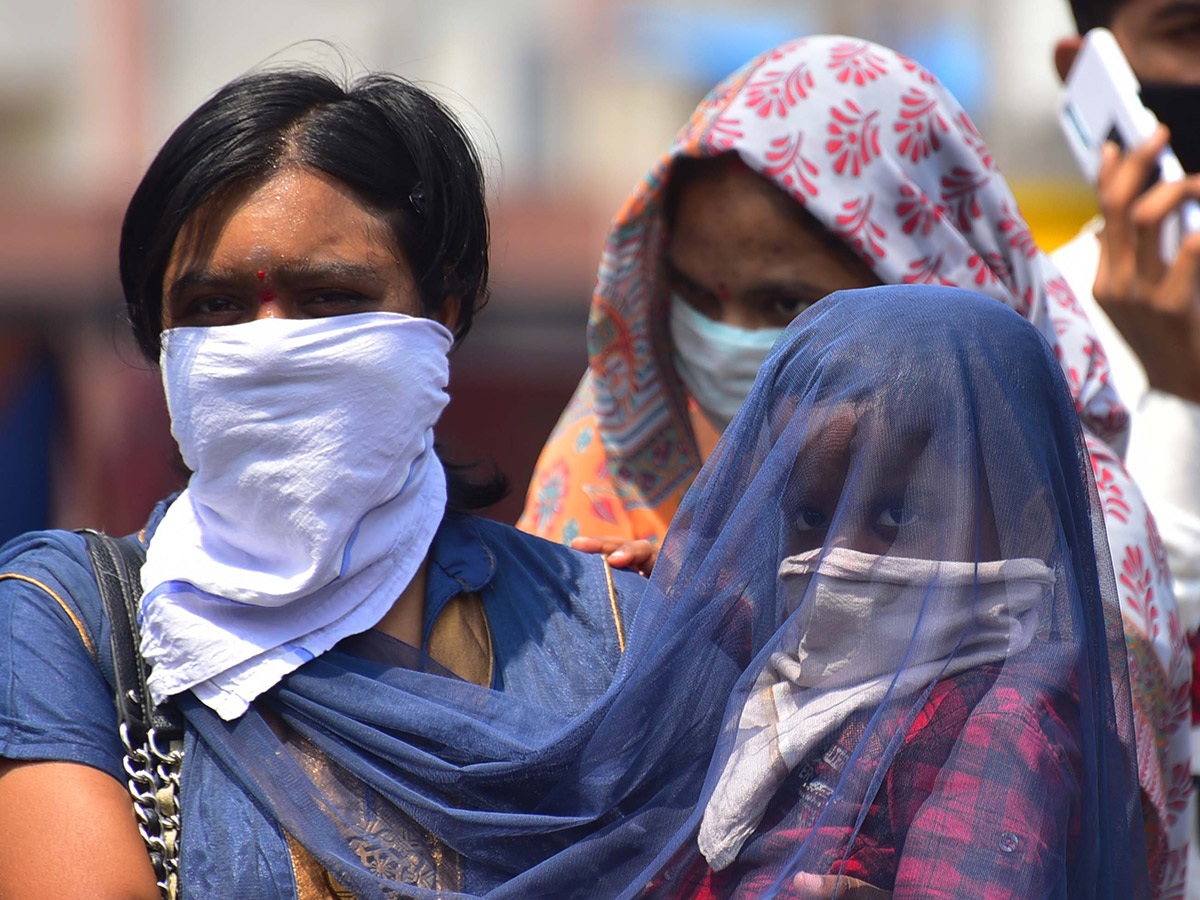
pixel 864 623
pixel 716 362
pixel 314 497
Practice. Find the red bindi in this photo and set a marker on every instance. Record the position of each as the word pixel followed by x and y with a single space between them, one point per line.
pixel 262 274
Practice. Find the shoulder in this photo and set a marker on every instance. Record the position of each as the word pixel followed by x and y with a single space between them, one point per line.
pixel 509 541
pixel 567 567
pixel 53 566
pixel 547 573
pixel 48 574
pixel 56 694
pixel 557 623
pixel 1029 714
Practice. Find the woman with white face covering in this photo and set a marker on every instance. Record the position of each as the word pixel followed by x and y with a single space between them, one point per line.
pixel 825 164
pixel 300 258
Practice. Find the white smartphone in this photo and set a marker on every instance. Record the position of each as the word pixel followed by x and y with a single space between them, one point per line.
pixel 1100 102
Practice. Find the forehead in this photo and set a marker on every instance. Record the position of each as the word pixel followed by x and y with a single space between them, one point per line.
pixel 733 201
pixel 298 213
pixel 732 227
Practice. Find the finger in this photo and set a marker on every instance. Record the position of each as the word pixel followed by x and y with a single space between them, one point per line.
pixel 1181 286
pixel 1126 178
pixel 1147 215
pixel 811 887
pixel 1114 235
pixel 614 539
pixel 601 544
pixel 631 553
pixel 637 555
pixel 1110 158
pixel 649 558
pixel 587 544
pixel 821 887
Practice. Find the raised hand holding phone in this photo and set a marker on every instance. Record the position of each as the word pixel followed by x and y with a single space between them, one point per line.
pixel 1100 103
pixel 1148 277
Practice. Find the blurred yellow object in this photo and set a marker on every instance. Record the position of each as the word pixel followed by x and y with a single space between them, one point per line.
pixel 1053 210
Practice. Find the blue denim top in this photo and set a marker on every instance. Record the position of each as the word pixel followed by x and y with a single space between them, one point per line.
pixel 544 604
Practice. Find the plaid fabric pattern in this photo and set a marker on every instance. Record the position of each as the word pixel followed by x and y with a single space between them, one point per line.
pixel 981 801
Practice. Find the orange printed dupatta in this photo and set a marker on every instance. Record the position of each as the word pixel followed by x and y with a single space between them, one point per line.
pixel 623 453
pixel 883 156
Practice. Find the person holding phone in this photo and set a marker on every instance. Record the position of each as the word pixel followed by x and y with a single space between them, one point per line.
pixel 1147 309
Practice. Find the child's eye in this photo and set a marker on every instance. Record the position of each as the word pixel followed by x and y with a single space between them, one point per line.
pixel 896 517
pixel 809 518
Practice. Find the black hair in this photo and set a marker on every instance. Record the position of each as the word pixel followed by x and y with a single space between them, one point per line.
pixel 398 148
pixel 1091 14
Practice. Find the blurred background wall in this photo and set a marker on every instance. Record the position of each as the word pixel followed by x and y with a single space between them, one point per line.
pixel 571 101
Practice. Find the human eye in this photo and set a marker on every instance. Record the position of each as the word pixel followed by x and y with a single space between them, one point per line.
pixel 207 310
pixel 789 307
pixel 212 305
pixel 1184 29
pixel 896 515
pixel 695 295
pixel 809 518
pixel 336 302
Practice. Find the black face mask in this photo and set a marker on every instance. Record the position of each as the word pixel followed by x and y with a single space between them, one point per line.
pixel 1178 107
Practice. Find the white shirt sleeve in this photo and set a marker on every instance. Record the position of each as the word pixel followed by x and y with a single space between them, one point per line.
pixel 1164 445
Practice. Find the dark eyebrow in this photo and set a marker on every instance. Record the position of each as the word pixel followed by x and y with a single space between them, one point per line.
pixel 674 273
pixel 290 274
pixel 797 287
pixel 792 287
pixel 1178 9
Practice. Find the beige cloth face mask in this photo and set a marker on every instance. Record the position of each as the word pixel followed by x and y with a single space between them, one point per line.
pixel 861 622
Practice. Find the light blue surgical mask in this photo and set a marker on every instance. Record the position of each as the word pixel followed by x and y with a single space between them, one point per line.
pixel 716 362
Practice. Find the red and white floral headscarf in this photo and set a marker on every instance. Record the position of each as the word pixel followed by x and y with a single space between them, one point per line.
pixel 881 154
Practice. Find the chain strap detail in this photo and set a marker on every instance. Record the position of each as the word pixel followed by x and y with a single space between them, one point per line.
pixel 152 736
pixel 153 782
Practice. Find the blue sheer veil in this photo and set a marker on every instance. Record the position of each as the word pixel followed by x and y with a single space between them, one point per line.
pixel 902 511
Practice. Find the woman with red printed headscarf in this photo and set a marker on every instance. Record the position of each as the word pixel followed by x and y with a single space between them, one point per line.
pixel 826 164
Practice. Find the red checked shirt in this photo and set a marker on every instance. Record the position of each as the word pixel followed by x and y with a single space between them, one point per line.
pixel 980 802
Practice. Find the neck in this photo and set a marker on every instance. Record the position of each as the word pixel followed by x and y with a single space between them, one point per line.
pixel 405 621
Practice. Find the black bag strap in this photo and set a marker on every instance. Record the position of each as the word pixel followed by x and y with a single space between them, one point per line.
pixel 152 736
pixel 117 565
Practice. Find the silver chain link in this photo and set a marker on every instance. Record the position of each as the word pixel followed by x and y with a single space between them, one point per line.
pixel 154 786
